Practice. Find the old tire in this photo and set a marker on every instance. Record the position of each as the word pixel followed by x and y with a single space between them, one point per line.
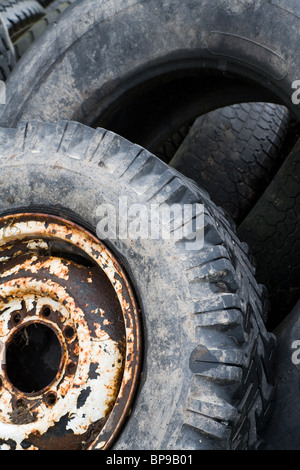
pixel 232 152
pixel 136 79
pixel 7 53
pixel 201 308
pixel 52 13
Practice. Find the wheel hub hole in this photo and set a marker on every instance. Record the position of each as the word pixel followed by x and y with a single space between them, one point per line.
pixel 33 357
pixel 46 311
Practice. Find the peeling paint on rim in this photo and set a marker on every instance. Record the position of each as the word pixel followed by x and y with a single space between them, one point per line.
pixel 56 275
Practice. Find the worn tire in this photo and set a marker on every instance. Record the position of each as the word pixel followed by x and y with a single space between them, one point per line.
pixel 45 3
pixel 232 152
pixel 7 53
pixel 55 9
pixel 272 231
pixel 201 308
pixel 158 64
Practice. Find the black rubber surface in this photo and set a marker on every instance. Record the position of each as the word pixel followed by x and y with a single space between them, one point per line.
pixel 148 76
pixel 246 50
pixel 202 311
pixel 7 53
pixel 45 3
pixel 145 69
pixel 231 152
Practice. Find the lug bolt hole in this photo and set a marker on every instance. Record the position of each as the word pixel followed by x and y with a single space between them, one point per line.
pixel 71 368
pixel 69 332
pixel 50 398
pixel 46 311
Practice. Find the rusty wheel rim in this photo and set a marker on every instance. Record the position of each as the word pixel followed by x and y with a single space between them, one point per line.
pixel 70 337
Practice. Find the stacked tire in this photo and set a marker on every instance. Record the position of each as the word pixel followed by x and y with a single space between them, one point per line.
pixel 169 104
